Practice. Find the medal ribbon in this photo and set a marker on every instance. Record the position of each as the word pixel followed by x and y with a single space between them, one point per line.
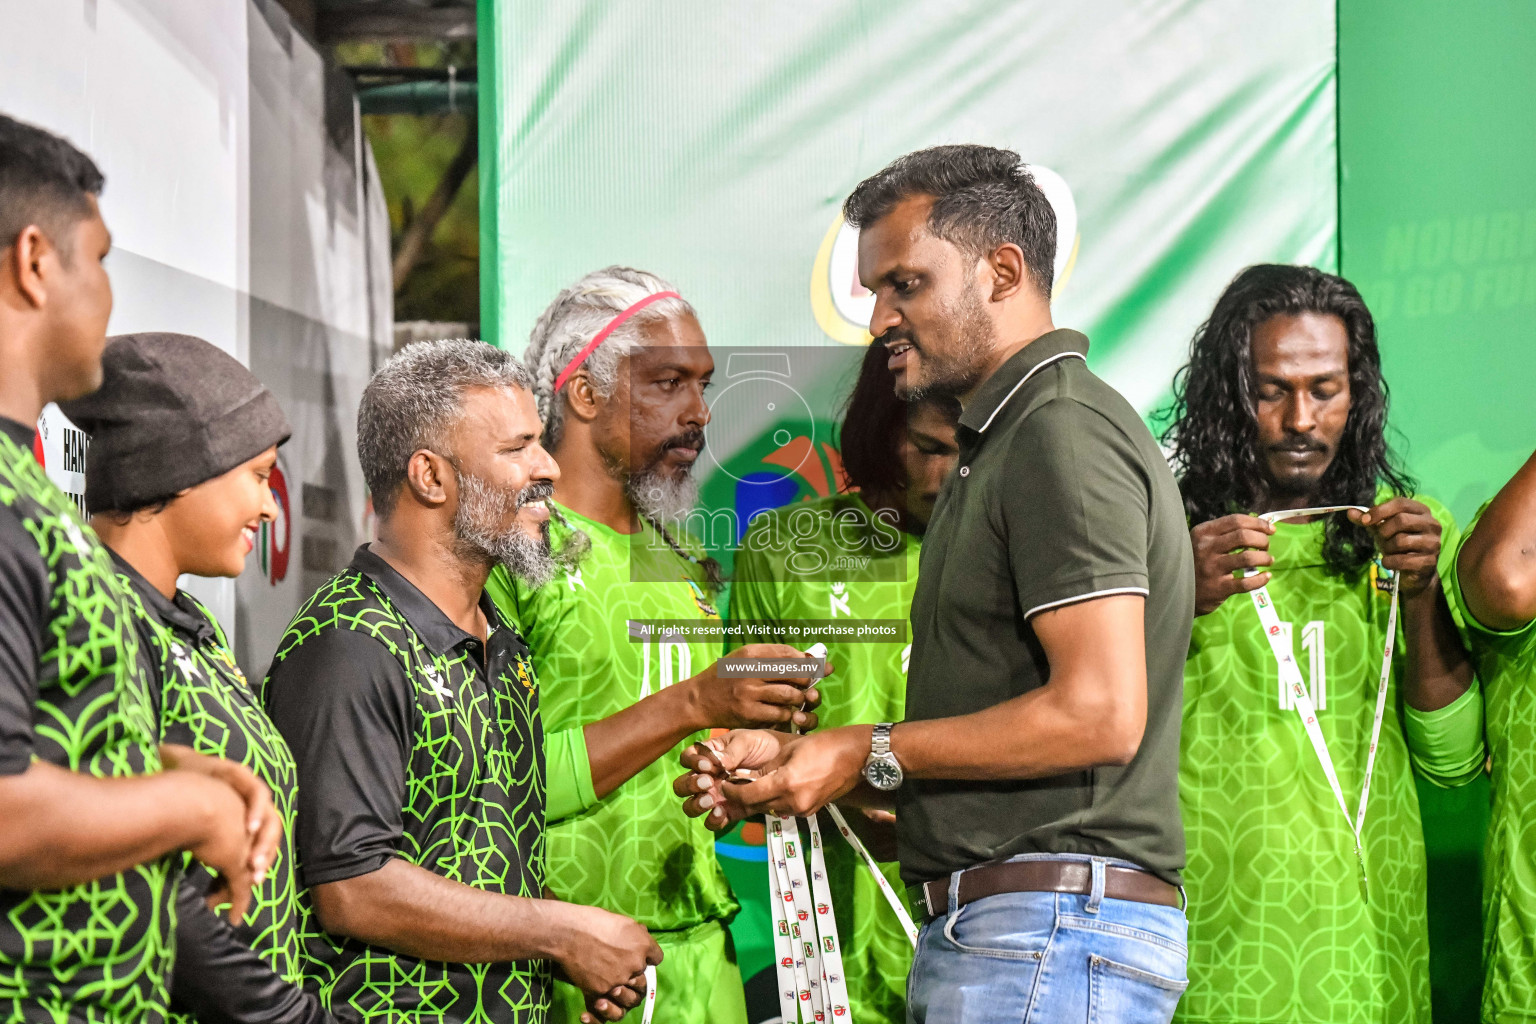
pixel 650 995
pixel 808 953
pixel 884 883
pixel 1301 700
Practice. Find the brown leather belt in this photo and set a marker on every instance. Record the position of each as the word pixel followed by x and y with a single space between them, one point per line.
pixel 1067 876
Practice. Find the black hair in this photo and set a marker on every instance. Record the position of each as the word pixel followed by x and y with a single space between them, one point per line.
pixel 870 438
pixel 124 516
pixel 1213 440
pixel 983 198
pixel 44 181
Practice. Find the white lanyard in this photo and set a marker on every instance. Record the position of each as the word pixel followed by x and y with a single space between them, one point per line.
pixel 810 971
pixel 907 925
pixel 650 995
pixel 809 958
pixel 1301 700
pixel 808 953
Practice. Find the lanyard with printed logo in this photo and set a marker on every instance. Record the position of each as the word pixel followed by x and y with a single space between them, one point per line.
pixel 1301 700
pixel 808 953
pixel 813 969
pixel 650 995
pixel 907 924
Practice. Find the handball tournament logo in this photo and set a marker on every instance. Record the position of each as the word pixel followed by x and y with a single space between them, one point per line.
pixel 274 540
pixel 842 306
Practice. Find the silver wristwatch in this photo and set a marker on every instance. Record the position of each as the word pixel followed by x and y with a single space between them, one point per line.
pixel 881 768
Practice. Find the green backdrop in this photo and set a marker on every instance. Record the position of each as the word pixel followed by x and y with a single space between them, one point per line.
pixel 1438 218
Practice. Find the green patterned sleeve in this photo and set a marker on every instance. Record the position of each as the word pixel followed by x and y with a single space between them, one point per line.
pixel 1446 745
pixel 569 771
pixel 1450 577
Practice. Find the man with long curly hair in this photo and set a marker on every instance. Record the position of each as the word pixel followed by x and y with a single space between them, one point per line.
pixel 1283 406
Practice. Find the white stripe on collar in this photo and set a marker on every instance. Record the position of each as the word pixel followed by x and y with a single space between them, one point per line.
pixel 1042 364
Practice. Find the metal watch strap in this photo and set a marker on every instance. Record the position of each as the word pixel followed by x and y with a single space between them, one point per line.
pixel 880 741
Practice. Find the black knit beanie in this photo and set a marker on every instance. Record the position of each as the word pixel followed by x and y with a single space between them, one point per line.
pixel 172 412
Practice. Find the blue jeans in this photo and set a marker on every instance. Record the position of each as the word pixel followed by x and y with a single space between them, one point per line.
pixel 1049 958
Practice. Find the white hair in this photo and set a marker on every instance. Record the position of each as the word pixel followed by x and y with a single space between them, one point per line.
pixel 575 318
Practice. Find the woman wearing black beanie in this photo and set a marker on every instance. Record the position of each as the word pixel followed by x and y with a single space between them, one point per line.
pixel 183 440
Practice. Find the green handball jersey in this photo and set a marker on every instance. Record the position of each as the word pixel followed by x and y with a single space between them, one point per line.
pixel 1279 930
pixel 868 685
pixel 98 953
pixel 206 703
pixel 635 853
pixel 1506 666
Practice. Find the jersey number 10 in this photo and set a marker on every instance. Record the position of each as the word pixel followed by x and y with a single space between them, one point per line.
pixel 675 663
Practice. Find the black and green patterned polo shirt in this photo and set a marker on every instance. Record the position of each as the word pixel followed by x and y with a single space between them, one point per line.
pixel 72 693
pixel 206 703
pixel 412 742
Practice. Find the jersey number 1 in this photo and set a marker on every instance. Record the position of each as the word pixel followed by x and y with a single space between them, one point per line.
pixel 1317 665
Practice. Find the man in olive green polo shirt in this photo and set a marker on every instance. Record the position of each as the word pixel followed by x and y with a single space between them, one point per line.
pixel 1035 779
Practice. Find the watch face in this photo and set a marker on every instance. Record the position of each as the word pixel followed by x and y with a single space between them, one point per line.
pixel 882 774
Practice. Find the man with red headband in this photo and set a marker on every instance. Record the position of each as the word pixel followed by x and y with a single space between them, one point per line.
pixel 620 367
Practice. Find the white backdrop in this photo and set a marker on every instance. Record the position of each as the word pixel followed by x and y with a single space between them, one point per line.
pixel 245 209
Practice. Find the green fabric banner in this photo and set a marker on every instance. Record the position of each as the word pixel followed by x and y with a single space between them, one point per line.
pixel 714 143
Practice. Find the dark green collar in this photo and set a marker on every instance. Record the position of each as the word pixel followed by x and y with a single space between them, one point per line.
pixel 997 389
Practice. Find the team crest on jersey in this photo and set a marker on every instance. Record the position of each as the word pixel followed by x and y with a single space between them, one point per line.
pixel 229 666
pixel 840 600
pixel 524 673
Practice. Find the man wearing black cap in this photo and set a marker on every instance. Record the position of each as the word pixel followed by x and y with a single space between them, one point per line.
pixel 413 713
pixel 183 440
pixel 89 859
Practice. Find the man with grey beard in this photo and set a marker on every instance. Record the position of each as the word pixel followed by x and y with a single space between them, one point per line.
pixel 413 713
pixel 620 366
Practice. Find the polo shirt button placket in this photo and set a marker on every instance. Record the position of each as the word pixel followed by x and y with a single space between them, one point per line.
pixel 965 470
